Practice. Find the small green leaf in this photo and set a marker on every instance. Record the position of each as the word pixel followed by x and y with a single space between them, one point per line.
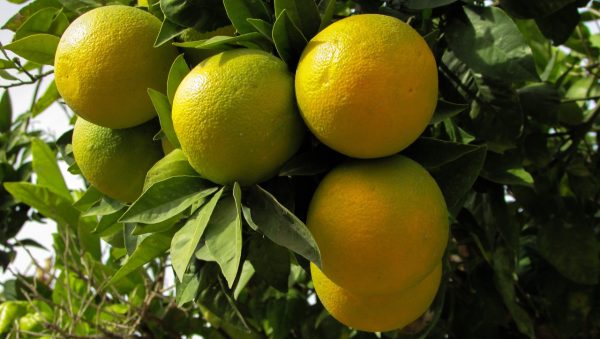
pixel 88 199
pixel 220 41
pixel 158 227
pixel 109 221
pixel 167 198
pixel 24 13
pixel 104 206
pixel 48 98
pixel 47 20
pixel 39 48
pixel 288 39
pixel 533 8
pixel 46 167
pixel 5 112
pixel 239 11
pixel 328 9
pixel 174 164
pixel 9 312
pixel 149 248
pixel 163 109
pixel 179 69
pixel 224 237
pixel 168 31
pixel 455 167
pixel 204 16
pixel 515 176
pixel 271 262
pixel 263 27
pixel 43 199
pixel 187 289
pixel 559 26
pixel 304 15
pixel 7 76
pixel 245 275
pixel 262 211
pixel 4 64
pixel 186 240
pixel 491 44
pixel 446 109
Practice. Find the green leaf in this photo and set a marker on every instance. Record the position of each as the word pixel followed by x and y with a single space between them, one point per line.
pixel 109 221
pixel 220 41
pixel 426 4
pixel 271 262
pixel 224 237
pixel 446 109
pixel 179 69
pixel 187 289
pixel 515 176
pixel 104 206
pixel 503 278
pixel 43 199
pixel 167 198
pixel 174 164
pixel 328 8
pixel 4 64
pixel 263 212
pixel 204 16
pixel 316 161
pixel 48 98
pixel 491 44
pixel 5 112
pixel 245 275
pixel 533 8
pixel 158 227
pixel 39 48
pixel 149 248
pixel 186 240
pixel 304 15
pixel 454 166
pixel 168 31
pixel 288 39
pixel 46 167
pixel 47 20
pixel 574 251
pixel 24 13
pixel 9 312
pixel 6 75
pixel 163 109
pixel 88 199
pixel 559 25
pixel 239 11
pixel 262 27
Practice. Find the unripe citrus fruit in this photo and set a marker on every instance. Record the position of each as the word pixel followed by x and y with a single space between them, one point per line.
pixel 115 161
pixel 367 85
pixel 105 63
pixel 376 313
pixel 235 116
pixel 381 225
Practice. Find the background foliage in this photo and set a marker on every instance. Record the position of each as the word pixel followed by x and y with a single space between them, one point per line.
pixel 513 145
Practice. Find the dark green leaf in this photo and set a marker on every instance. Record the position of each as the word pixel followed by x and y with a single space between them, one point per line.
pixel 313 162
pixel 289 40
pixel 515 176
pixel 88 199
pixel 204 16
pixel 304 15
pixel 426 4
pixel 104 206
pixel 533 8
pixel 5 112
pixel 186 240
pixel 224 237
pixel 4 64
pixel 245 275
pixel 217 42
pixel 174 164
pixel 262 27
pixel 559 25
pixel 328 9
pixel 271 262
pixel 491 44
pixel 48 98
pixel 167 198
pixel 39 48
pixel 46 167
pixel 44 200
pixel 541 101
pixel 24 13
pixel 446 109
pixel 573 251
pixel 109 221
pixel 178 71
pixel 239 11
pixel 503 277
pixel 455 167
pixel 262 211
pixel 149 248
pixel 163 109
pixel 168 31
pixel 47 20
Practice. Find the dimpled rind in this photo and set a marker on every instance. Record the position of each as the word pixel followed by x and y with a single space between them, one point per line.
pixel 105 62
pixel 381 225
pixel 367 85
pixel 235 117
pixel 115 161
pixel 376 313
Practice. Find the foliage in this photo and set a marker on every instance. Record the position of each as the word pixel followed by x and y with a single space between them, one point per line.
pixel 513 145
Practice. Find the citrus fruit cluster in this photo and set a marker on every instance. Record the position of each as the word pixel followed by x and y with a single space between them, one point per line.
pixel 366 86
pixel 104 64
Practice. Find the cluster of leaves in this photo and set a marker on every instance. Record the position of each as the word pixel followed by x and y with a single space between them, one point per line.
pixel 513 146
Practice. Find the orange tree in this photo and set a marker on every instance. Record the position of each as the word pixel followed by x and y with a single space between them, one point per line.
pixel 512 145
